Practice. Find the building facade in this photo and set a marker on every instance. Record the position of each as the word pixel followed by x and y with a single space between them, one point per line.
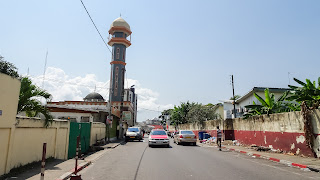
pixel 248 99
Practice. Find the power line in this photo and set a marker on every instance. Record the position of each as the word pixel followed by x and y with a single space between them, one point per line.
pixel 149 109
pixel 95 26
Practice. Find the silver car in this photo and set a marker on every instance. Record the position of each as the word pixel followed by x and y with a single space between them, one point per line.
pixel 185 136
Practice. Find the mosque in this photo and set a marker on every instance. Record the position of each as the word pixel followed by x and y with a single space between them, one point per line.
pixel 94 107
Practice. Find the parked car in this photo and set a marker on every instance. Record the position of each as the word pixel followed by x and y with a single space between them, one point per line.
pixel 158 137
pixel 133 133
pixel 185 136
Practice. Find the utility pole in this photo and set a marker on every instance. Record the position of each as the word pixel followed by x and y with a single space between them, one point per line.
pixel 234 99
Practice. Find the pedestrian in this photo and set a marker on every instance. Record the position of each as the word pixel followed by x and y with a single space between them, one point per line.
pixel 143 131
pixel 219 136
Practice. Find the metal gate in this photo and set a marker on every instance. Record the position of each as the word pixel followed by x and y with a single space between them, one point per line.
pixel 76 129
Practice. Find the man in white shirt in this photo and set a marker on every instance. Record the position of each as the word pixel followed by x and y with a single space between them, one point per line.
pixel 219 137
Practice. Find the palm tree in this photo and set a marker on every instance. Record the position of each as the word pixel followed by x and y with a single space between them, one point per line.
pixel 29 103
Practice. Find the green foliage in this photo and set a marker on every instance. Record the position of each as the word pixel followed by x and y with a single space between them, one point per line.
pixel 270 105
pixel 28 100
pixel 309 92
pixel 191 113
pixel 236 97
pixel 8 68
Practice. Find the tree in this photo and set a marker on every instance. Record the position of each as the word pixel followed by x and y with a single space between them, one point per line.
pixel 236 97
pixel 165 115
pixel 29 103
pixel 270 105
pixel 309 93
pixel 309 98
pixel 200 113
pixel 8 68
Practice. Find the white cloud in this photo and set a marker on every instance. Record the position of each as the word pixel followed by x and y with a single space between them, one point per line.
pixel 66 88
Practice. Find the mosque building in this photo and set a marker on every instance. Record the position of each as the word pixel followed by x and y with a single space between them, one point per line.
pixel 94 107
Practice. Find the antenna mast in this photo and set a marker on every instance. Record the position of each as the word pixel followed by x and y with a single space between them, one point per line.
pixel 44 70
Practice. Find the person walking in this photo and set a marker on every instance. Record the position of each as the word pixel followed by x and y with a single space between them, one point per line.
pixel 143 131
pixel 219 137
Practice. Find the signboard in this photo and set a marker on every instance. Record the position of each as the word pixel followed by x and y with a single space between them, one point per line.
pixel 126 115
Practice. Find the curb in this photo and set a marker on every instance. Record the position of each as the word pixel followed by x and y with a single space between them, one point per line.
pixel 67 175
pixel 285 162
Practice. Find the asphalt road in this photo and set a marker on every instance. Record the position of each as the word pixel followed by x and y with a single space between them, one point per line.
pixel 137 161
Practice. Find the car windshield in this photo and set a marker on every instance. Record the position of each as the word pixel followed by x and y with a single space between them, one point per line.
pixel 187 132
pixel 133 129
pixel 158 133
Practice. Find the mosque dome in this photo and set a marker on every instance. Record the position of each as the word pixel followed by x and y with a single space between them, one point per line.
pixel 95 97
pixel 120 22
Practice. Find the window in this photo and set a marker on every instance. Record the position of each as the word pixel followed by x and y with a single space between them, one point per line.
pixel 158 133
pixel 118 53
pixel 85 118
pixel 115 91
pixel 187 132
pixel 124 54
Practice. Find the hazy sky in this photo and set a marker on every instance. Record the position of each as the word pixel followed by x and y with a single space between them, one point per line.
pixel 181 50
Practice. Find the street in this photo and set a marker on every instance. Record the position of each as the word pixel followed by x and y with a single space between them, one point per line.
pixel 136 161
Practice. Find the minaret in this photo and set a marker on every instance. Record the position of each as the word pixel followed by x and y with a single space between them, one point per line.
pixel 120 32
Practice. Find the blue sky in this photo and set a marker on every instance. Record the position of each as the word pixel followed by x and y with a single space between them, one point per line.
pixel 181 50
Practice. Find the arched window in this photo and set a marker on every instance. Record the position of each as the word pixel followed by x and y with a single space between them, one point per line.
pixel 118 53
pixel 124 54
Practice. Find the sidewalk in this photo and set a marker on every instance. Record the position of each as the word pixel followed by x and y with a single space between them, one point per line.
pixel 306 163
pixel 61 170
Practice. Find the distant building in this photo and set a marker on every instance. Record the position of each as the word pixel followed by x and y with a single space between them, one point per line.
pixel 154 121
pixel 218 110
pixel 92 109
pixel 248 99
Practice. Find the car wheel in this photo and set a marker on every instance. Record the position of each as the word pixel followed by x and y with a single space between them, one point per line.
pixel 150 145
pixel 178 143
pixel 167 145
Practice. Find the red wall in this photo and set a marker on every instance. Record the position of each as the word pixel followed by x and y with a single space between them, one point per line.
pixel 282 141
pixel 279 140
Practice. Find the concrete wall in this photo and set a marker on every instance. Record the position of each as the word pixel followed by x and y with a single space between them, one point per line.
pixel 98 132
pixel 22 143
pixel 283 131
pixel 9 97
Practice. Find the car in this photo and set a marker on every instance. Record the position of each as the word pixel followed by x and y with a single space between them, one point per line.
pixel 185 136
pixel 158 137
pixel 133 133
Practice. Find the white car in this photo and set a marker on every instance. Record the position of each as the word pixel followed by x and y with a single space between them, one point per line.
pixel 133 133
pixel 158 137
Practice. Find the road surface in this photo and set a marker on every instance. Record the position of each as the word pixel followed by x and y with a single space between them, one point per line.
pixel 137 161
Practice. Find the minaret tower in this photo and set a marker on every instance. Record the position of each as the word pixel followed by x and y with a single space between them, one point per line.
pixel 118 38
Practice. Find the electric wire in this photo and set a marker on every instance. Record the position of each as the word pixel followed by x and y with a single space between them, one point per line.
pixel 95 26
pixel 149 109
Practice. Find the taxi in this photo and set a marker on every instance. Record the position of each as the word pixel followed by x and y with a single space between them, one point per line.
pixel 158 137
